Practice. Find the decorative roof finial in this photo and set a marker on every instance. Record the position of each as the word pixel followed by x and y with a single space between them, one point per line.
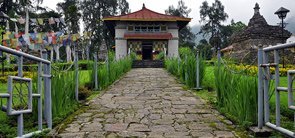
pixel 256 9
pixel 143 6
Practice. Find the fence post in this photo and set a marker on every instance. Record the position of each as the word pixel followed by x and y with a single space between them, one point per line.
pixel 87 52
pixel 95 71
pixel 20 119
pixel 198 71
pixel 20 125
pixel 76 75
pixel 47 97
pixel 48 91
pixel 2 60
pixel 165 53
pixel 108 67
pixel 260 87
pixel 218 56
pixel 178 64
pixel 266 88
pixel 129 51
pixel 39 89
pixel 277 83
pixel 186 72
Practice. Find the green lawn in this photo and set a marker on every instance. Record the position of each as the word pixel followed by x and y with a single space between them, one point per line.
pixel 84 77
pixel 209 82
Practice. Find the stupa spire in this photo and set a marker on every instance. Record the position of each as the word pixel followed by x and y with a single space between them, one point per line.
pixel 256 9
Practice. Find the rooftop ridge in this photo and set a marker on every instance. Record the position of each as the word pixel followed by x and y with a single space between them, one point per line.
pixel 146 9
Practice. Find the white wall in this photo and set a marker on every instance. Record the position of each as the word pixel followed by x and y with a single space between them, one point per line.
pixel 121 49
pixel 121 43
pixel 174 42
pixel 173 48
pixel 174 32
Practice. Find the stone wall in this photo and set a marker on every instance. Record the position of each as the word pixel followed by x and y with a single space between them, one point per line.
pixel 246 51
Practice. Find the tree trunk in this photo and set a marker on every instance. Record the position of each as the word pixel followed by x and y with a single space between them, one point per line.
pixel 69 53
pixel 27 21
pixel 56 49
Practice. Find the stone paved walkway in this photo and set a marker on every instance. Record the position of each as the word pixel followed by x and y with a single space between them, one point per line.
pixel 148 103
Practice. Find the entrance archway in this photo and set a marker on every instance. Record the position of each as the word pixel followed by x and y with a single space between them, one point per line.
pixel 147 52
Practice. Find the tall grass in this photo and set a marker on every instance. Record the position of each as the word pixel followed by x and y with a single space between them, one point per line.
pixel 172 66
pixel 185 67
pixel 160 56
pixel 116 70
pixel 237 95
pixel 63 94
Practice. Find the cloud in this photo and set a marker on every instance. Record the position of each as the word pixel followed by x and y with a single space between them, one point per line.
pixel 196 29
pixel 291 24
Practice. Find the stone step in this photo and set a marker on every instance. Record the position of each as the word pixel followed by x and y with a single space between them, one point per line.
pixel 148 64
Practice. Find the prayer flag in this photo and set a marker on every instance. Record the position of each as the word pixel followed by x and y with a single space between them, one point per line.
pixel 5 36
pixel 40 21
pixel 57 21
pixel 31 46
pixel 21 20
pixel 74 38
pixel 34 21
pixel 39 38
pixel 26 39
pixel 14 42
pixel 62 20
pixel 51 21
pixel 33 36
pixel 49 40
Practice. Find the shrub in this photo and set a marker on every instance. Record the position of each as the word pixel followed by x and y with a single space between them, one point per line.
pixel 84 93
pixel 133 56
pixel 111 55
pixel 172 66
pixel 160 56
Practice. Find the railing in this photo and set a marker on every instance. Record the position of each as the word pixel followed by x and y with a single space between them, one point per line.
pixel 44 75
pixel 263 87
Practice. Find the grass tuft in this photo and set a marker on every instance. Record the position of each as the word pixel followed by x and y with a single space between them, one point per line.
pixel 185 67
pixel 237 96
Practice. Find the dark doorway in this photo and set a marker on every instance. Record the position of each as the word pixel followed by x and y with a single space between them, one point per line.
pixel 147 52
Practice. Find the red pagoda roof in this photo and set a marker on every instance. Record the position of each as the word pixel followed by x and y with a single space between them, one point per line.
pixel 147 35
pixel 146 15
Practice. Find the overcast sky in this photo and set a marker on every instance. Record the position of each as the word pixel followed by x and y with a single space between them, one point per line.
pixel 239 10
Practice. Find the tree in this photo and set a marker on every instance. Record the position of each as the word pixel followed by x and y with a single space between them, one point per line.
pixel 238 26
pixel 19 7
pixel 93 11
pixel 212 16
pixel 123 7
pixel 205 49
pixel 228 30
pixel 46 27
pixel 72 15
pixel 186 37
